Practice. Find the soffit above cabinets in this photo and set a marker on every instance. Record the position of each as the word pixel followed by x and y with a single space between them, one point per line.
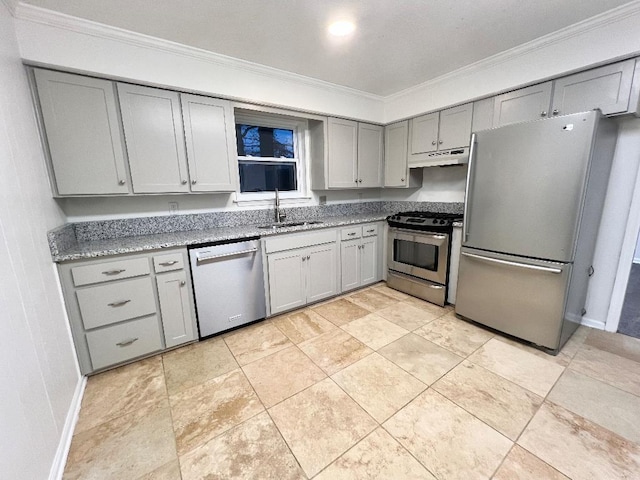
pixel 396 45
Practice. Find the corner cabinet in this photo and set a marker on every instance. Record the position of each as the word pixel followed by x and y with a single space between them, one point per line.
pixel 302 268
pixel 396 166
pixel 354 153
pixel 524 105
pixel 359 256
pixel 129 306
pixel 82 134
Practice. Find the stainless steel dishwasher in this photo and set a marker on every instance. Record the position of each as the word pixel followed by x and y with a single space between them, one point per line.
pixel 228 284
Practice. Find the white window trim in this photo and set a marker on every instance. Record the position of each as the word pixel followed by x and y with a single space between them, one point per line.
pixel 300 127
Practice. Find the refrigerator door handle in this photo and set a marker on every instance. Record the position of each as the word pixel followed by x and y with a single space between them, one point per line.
pixel 514 264
pixel 467 187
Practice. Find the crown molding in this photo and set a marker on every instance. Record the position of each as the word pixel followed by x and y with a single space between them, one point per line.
pixel 592 23
pixel 11 6
pixel 31 13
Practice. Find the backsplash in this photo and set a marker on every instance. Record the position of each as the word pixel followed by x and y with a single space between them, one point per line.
pixel 69 234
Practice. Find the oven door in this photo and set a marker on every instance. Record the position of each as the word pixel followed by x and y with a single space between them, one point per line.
pixel 420 254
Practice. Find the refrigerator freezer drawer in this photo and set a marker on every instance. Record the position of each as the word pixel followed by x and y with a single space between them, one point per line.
pixel 518 296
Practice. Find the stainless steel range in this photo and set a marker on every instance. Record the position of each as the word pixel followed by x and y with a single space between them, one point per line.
pixel 418 253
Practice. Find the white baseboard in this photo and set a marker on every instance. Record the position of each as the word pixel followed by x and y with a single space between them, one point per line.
pixel 57 469
pixel 589 322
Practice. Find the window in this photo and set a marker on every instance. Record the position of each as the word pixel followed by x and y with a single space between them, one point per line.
pixel 270 155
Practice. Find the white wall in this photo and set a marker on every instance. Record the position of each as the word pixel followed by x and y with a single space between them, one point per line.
pixel 636 254
pixel 609 36
pixel 439 184
pixel 37 361
pixel 614 220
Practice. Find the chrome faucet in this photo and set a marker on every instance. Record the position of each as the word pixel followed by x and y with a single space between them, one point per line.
pixel 280 215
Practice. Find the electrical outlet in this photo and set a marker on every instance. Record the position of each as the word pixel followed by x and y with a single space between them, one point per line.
pixel 360 196
pixel 173 208
pixel 323 199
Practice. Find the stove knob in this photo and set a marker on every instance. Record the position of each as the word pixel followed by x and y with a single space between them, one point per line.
pixel 441 222
pixel 435 221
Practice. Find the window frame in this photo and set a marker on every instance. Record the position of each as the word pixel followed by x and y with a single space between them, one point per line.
pixel 300 127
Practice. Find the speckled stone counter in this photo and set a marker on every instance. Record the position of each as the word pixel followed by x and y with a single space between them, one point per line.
pixel 114 237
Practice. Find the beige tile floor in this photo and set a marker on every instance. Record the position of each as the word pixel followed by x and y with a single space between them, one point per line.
pixel 374 384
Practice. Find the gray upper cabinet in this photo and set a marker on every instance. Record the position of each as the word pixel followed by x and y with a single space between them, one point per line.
pixel 455 127
pixel 343 153
pixel 607 88
pixel 482 114
pixel 396 167
pixel 423 132
pixel 522 105
pixel 155 139
pixel 80 118
pixel 370 151
pixel 354 154
pixel 210 138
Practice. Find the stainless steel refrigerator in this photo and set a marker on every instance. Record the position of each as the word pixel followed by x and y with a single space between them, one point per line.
pixel 533 203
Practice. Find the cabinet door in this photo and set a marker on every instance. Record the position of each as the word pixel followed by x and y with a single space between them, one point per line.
pixel 175 308
pixel 350 264
pixel 83 132
pixel 210 138
pixel 396 169
pixel 607 88
pixel 482 114
pixel 523 105
pixel 423 133
pixel 287 288
pixel 343 153
pixel 369 260
pixel 322 265
pixel 455 127
pixel 369 155
pixel 155 139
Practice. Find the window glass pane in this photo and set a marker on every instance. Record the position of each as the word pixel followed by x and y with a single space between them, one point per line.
pixel 258 141
pixel 267 176
pixel 416 254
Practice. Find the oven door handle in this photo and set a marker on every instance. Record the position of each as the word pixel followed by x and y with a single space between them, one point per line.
pixel 415 235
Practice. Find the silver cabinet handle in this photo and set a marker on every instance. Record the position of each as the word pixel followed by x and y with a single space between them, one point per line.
pixel 440 142
pixel 555 111
pixel 433 142
pixel 125 343
pixel 370 231
pixel 304 258
pixel 121 182
pixel 184 182
pixel 467 187
pixel 118 304
pixel 168 264
pixel 436 287
pixel 543 113
pixel 360 181
pixel 308 257
pixel 437 237
pixel 402 179
pixel 183 283
pixel 351 234
pixel 514 264
pixel 113 272
pixel 193 182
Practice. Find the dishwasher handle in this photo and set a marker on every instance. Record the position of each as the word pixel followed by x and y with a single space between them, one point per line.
pixel 203 257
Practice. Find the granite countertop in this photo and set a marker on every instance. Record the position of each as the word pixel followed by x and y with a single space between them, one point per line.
pixel 143 243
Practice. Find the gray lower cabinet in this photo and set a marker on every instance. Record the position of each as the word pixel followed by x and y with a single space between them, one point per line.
pixel 301 268
pixel 154 134
pixel 359 256
pixel 128 306
pixel 82 133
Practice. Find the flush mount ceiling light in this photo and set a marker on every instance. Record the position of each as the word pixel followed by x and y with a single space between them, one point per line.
pixel 341 28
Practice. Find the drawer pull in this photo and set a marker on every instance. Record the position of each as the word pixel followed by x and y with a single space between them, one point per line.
pixel 118 304
pixel 351 234
pixel 113 272
pixel 126 343
pixel 370 231
pixel 168 264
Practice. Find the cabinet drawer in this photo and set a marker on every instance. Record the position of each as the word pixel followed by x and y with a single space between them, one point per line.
pixel 107 271
pixel 123 342
pixel 169 262
pixel 105 304
pixel 369 230
pixel 350 233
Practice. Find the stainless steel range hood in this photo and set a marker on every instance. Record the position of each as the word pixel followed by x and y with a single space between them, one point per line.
pixel 455 156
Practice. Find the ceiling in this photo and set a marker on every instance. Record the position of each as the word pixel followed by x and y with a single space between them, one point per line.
pixel 397 43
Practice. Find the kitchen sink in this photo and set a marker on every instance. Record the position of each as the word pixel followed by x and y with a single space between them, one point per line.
pixel 274 226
